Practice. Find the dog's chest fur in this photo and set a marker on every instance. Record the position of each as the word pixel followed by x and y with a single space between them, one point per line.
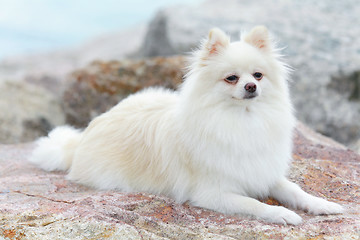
pixel 245 152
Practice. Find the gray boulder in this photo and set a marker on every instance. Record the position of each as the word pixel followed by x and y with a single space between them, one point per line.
pixel 27 111
pixel 156 41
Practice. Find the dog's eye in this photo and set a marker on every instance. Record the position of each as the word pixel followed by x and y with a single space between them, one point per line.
pixel 232 79
pixel 258 76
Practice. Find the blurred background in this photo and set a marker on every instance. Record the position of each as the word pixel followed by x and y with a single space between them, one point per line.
pixel 32 26
pixel 65 62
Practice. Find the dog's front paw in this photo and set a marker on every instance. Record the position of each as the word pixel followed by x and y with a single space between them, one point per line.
pixel 281 215
pixel 319 206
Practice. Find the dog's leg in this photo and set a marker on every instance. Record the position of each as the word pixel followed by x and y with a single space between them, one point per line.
pixel 292 195
pixel 236 204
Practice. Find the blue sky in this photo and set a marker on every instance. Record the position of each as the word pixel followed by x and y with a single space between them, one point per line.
pixel 27 26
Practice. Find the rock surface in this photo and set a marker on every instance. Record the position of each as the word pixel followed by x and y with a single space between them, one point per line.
pixel 156 42
pixel 27 112
pixel 96 88
pixel 35 204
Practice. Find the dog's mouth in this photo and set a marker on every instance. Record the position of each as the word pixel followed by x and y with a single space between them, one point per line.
pixel 246 97
pixel 249 95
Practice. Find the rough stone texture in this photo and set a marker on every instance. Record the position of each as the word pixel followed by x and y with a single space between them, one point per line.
pixel 319 44
pixel 347 84
pixel 35 204
pixel 27 112
pixel 99 86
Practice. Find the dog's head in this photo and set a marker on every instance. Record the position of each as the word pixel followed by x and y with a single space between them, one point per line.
pixel 238 72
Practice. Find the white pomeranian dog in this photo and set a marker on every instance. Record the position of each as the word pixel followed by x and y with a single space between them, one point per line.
pixel 221 142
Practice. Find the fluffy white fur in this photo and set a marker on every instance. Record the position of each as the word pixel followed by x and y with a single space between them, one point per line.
pixel 206 143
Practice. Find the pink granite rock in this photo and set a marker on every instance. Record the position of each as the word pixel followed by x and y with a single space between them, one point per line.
pixel 35 204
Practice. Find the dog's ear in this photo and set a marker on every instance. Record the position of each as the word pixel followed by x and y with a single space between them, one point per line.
pixel 259 38
pixel 216 42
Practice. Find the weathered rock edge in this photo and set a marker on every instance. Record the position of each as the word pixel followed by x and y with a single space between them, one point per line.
pixel 35 204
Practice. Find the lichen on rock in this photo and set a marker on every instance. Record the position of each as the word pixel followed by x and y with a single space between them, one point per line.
pixel 98 87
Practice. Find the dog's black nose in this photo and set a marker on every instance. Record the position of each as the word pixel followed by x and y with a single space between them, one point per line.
pixel 250 87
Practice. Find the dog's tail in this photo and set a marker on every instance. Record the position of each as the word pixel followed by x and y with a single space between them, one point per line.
pixel 56 151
